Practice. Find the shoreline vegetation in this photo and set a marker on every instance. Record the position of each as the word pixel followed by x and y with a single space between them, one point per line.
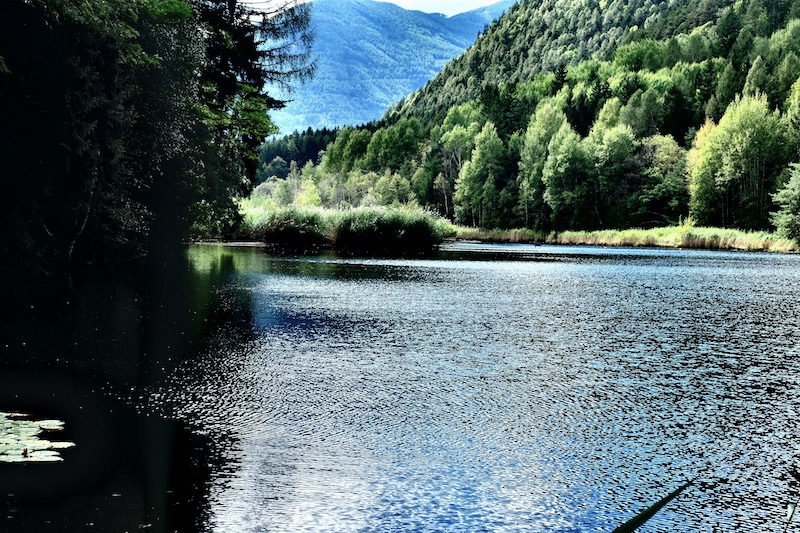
pixel 410 231
pixel 679 237
pixel 367 230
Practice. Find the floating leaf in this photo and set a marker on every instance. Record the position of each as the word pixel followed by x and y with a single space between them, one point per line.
pixel 61 445
pixel 20 442
pixel 51 425
pixel 13 459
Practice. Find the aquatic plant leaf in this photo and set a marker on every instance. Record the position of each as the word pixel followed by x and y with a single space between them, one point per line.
pixel 51 425
pixel 62 445
pixel 13 459
pixel 20 440
pixel 639 520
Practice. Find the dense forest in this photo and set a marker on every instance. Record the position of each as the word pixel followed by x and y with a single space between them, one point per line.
pixel 129 125
pixel 572 116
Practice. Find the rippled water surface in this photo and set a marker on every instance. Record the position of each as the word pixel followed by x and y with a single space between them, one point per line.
pixel 498 388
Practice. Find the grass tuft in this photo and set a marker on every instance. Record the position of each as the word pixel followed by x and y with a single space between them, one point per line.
pixel 374 231
pixel 289 228
pixel 387 231
pixel 516 236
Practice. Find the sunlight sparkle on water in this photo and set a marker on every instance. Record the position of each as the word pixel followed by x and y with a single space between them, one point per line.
pixel 559 391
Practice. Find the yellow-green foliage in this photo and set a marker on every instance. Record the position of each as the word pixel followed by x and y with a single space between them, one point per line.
pixel 293 227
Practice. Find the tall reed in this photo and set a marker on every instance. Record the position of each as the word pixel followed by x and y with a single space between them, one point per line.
pixel 683 236
pixel 388 231
pixel 287 227
pixel 364 230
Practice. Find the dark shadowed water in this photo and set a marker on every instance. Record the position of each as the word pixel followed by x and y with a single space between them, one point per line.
pixel 493 388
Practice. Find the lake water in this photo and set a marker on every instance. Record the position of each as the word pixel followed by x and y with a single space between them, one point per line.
pixel 491 388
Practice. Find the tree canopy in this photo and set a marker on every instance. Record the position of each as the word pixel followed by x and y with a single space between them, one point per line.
pixel 128 123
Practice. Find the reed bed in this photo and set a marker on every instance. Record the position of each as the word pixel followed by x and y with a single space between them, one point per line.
pixel 390 231
pixel 680 237
pixel 684 236
pixel 393 231
pixel 516 236
pixel 287 227
pixel 414 231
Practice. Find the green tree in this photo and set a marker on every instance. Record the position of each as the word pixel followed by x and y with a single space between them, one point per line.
pixel 788 73
pixel 735 166
pixel 643 113
pixel 559 78
pixel 728 30
pixel 547 120
pixel 153 124
pixel 758 79
pixel 246 49
pixel 703 160
pixel 664 196
pixel 486 160
pixel 490 204
pixel 752 140
pixel 278 167
pixel 568 177
pixel 333 161
pixel 787 218
pixel 618 174
pixel 309 194
pixel 284 193
pixel 443 187
pixel 792 121
pixel 355 149
pixel 729 85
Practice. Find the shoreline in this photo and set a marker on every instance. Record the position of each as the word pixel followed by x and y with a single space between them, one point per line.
pixel 675 237
pixel 590 239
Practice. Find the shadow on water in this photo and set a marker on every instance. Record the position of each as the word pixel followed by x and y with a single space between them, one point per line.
pixel 89 351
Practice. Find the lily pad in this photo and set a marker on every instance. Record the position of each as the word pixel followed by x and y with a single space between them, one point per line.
pixel 50 425
pixel 20 440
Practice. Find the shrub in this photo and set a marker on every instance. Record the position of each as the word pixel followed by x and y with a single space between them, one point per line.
pixel 374 230
pixel 387 231
pixel 287 227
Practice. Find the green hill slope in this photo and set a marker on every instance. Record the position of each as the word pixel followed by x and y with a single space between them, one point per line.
pixel 539 36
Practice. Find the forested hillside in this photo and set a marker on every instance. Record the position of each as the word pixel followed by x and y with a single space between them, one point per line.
pixel 539 36
pixel 127 124
pixel 371 54
pixel 692 115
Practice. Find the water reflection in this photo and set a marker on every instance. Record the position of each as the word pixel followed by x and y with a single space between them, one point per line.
pixel 502 389
pixel 89 352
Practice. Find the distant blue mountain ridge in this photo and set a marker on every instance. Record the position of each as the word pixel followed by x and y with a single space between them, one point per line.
pixel 371 54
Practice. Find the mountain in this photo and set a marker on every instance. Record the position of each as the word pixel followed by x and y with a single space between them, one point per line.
pixel 372 54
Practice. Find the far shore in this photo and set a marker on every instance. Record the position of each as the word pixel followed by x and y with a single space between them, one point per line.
pixel 669 237
pixel 677 237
